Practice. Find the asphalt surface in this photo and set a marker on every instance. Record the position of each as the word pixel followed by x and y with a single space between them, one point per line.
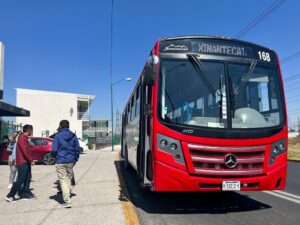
pixel 216 208
pixel 293 178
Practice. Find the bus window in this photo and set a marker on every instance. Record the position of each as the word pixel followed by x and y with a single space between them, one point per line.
pixel 132 111
pixel 128 113
pixel 137 108
pixel 257 103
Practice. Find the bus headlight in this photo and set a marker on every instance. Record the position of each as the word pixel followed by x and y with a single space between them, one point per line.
pixel 163 143
pixel 277 149
pixel 171 146
pixel 281 147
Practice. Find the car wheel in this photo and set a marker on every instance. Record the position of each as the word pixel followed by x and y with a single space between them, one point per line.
pixel 48 159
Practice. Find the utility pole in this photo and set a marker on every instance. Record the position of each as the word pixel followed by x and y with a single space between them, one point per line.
pixel 95 123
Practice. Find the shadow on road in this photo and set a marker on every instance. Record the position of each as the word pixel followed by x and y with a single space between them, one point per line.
pixel 58 196
pixel 183 203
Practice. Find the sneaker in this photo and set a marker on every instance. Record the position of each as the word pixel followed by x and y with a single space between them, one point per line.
pixel 28 197
pixel 20 194
pixel 10 199
pixel 66 205
pixel 9 186
pixel 32 195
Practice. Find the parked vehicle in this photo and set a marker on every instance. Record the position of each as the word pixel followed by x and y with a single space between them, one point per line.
pixel 40 148
pixel 83 146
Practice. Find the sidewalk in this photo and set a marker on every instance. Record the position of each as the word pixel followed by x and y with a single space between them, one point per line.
pixel 95 201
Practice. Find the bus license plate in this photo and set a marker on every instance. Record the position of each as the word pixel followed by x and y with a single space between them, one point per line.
pixel 231 186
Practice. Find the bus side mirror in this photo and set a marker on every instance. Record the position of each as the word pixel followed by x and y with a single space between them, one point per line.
pixel 149 74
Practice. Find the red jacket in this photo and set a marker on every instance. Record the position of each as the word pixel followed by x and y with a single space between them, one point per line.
pixel 23 154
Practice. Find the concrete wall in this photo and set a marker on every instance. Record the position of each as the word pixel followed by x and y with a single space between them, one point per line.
pixel 47 109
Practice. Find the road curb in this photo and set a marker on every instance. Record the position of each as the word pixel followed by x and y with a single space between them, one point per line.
pixel 294 160
pixel 129 211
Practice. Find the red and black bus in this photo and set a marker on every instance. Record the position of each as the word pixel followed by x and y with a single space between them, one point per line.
pixel 207 114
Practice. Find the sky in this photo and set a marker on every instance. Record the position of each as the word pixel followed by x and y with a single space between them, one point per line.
pixel 64 45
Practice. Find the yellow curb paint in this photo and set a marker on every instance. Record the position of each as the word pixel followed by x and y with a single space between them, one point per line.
pixel 129 211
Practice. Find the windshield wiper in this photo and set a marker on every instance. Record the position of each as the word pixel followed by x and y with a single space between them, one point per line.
pixel 200 69
pixel 245 77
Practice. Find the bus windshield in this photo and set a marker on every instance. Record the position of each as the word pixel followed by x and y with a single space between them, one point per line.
pixel 221 95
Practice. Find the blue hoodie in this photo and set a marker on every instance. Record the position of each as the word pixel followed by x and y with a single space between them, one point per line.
pixel 65 147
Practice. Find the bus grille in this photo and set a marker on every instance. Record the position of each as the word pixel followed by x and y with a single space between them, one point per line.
pixel 227 161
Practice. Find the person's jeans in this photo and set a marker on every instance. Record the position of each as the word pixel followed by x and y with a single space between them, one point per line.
pixel 26 188
pixel 24 177
pixel 13 170
pixel 65 174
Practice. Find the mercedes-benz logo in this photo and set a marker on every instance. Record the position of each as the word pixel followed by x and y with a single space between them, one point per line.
pixel 230 161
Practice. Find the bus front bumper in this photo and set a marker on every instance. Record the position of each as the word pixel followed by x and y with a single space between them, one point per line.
pixel 167 178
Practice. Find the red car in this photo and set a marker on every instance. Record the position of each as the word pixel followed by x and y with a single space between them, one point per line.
pixel 40 148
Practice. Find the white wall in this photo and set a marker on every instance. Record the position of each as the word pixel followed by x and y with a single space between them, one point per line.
pixel 47 109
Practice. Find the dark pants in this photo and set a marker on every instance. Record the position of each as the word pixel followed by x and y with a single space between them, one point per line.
pixel 24 178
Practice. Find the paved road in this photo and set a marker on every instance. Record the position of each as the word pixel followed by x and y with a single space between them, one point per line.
pixel 293 178
pixel 216 208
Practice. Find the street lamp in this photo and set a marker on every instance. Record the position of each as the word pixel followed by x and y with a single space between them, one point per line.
pixel 112 109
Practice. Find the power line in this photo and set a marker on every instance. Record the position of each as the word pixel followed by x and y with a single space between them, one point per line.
pixel 292 77
pixel 294 110
pixel 290 58
pixel 291 90
pixel 295 113
pixel 295 100
pixel 295 96
pixel 275 5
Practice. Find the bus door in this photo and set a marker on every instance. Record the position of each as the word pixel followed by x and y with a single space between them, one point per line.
pixel 144 152
pixel 123 140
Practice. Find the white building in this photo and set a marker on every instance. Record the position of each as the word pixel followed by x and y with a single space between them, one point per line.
pixel 48 108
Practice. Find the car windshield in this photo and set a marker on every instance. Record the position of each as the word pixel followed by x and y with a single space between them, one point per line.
pixel 229 96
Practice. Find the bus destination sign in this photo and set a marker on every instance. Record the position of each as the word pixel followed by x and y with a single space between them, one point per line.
pixel 221 49
pixel 218 47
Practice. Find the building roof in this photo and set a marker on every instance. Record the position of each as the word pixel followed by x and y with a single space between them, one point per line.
pixel 32 91
pixel 11 110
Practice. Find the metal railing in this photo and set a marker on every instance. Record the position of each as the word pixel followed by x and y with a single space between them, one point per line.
pixel 82 116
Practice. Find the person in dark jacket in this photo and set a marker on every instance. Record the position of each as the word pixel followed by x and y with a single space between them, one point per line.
pixel 65 149
pixel 23 163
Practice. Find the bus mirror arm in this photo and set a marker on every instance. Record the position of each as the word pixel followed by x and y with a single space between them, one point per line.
pixel 147 110
pixel 149 74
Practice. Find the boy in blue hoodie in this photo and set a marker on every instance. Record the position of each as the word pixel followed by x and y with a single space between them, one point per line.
pixel 65 149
